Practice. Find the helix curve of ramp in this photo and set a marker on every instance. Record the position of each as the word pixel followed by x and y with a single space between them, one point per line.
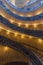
pixel 22 24
pixel 28 53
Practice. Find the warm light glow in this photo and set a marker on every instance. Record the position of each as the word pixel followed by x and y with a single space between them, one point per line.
pixel 11 21
pixel 8 31
pixel 26 25
pixel 30 37
pixel 42 23
pixel 15 34
pixel 39 12
pixel 19 24
pixel 35 25
pixel 0 28
pixel 39 40
pixel 5 48
pixel 29 15
pixel 22 36
pixel 21 14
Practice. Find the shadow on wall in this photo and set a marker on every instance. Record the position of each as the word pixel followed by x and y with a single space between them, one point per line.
pixel 17 63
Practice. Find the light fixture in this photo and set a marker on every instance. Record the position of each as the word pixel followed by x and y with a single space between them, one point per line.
pixel 26 25
pixel 5 48
pixel 15 34
pixel 22 36
pixel 39 40
pixel 19 24
pixel 35 25
pixel 8 32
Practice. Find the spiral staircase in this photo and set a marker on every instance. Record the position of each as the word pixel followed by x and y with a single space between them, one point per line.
pixel 21 28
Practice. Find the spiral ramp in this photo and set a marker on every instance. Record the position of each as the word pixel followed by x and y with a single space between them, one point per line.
pixel 21 27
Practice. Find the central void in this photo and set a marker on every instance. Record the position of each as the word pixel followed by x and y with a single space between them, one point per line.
pixel 25 5
pixel 21 3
